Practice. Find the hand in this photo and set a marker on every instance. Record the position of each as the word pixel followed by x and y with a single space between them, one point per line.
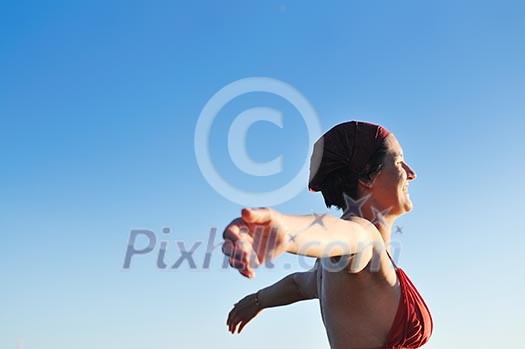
pixel 256 237
pixel 242 313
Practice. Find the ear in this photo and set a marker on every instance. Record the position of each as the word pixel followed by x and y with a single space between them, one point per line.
pixel 366 184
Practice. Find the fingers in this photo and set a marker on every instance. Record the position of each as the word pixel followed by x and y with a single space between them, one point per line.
pixel 232 323
pixel 232 326
pixel 257 215
pixel 239 243
pixel 244 323
pixel 235 254
pixel 238 324
pixel 241 314
pixel 247 272
pixel 240 250
pixel 234 229
pixel 240 261
pixel 233 319
pixel 228 248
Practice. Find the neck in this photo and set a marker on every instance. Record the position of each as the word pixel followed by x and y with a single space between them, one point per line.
pixel 383 223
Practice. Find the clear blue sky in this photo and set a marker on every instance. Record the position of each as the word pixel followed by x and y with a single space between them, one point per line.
pixel 99 103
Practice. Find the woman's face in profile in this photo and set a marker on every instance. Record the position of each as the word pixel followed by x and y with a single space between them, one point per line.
pixel 390 187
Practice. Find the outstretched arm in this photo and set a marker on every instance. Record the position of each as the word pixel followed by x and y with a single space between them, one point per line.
pixel 263 234
pixel 293 288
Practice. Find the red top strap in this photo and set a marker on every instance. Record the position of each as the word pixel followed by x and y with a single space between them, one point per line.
pixel 391 259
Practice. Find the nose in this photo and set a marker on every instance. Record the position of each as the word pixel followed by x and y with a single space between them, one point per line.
pixel 411 174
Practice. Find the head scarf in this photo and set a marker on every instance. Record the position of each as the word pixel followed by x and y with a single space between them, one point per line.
pixel 348 145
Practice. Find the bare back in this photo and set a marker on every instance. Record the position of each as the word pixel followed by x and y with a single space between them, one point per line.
pixel 358 309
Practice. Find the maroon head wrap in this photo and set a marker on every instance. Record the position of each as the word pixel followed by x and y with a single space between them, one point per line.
pixel 348 145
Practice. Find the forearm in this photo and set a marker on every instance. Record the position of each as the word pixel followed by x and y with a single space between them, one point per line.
pixel 283 292
pixel 325 237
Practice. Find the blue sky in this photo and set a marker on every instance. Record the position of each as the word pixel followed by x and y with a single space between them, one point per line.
pixel 99 103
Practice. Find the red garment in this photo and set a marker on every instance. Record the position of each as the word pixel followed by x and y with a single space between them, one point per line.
pixel 412 325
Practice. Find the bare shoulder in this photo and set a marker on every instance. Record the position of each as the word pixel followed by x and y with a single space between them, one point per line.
pixel 373 234
pixel 373 257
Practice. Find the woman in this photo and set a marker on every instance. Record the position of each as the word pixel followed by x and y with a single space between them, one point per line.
pixel 366 301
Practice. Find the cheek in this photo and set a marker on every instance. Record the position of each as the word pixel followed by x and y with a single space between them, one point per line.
pixel 387 186
pixel 400 177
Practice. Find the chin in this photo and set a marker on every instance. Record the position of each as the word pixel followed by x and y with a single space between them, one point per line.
pixel 408 206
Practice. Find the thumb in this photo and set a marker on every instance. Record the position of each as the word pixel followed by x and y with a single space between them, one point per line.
pixel 256 215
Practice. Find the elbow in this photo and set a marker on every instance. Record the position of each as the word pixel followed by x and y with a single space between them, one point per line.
pixel 302 286
pixel 296 285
